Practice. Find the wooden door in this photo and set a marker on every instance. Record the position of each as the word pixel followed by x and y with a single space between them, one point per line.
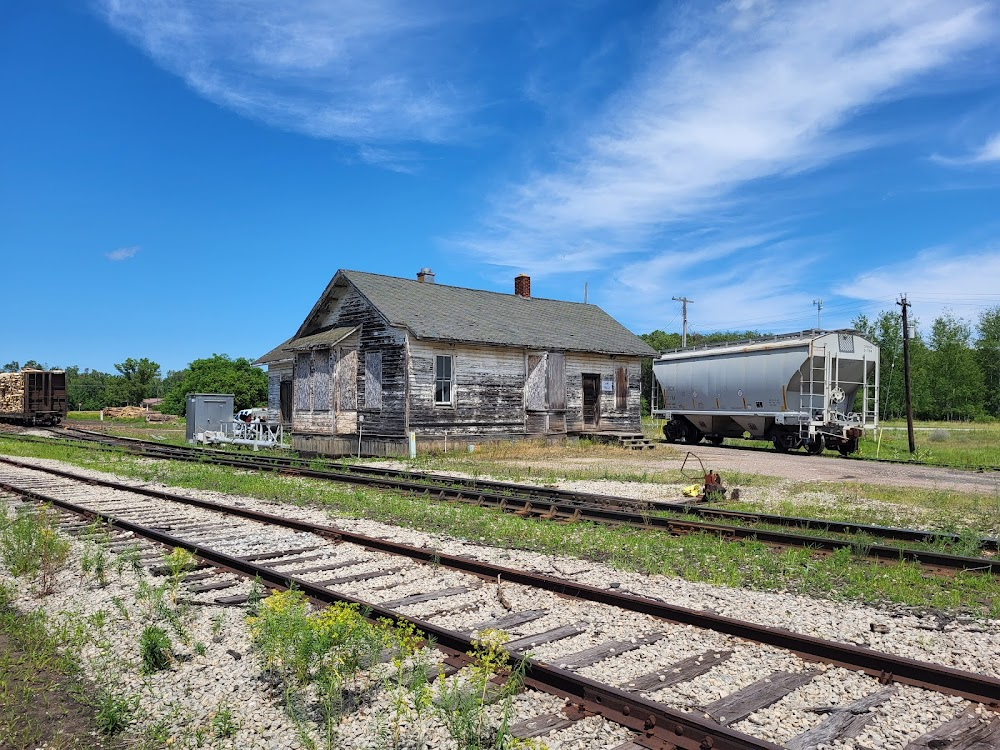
pixel 591 401
pixel 285 401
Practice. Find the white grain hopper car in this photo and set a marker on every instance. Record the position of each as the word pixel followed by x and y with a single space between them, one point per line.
pixel 814 389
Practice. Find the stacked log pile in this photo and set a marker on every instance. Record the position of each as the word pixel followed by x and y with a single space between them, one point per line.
pixel 155 416
pixel 12 392
pixel 124 412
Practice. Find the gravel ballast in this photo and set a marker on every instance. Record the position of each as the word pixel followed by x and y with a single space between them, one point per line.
pixel 198 684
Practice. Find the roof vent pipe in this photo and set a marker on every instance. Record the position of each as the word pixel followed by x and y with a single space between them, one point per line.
pixel 522 285
pixel 426 275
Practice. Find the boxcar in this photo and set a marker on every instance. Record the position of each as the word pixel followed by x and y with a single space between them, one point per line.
pixel 33 397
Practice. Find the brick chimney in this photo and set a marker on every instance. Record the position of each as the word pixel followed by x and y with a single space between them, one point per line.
pixel 425 275
pixel 522 285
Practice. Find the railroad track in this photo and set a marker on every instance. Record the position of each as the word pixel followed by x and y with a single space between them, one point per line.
pixel 553 504
pixel 593 646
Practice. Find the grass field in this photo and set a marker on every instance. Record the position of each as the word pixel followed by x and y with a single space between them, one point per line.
pixel 958 444
pixel 966 444
pixel 94 417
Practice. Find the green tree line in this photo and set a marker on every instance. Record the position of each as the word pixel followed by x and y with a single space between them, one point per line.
pixel 137 379
pixel 954 365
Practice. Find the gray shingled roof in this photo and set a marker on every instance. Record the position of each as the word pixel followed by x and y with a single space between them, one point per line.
pixel 277 354
pixel 451 313
pixel 321 340
pixel 286 350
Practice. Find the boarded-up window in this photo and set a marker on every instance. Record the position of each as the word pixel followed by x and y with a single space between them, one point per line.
pixel 302 390
pixel 347 379
pixel 443 378
pixel 334 394
pixel 373 380
pixel 545 384
pixel 621 389
pixel 534 383
pixel 555 377
pixel 321 380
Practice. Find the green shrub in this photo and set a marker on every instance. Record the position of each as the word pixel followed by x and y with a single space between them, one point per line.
pixel 154 647
pixel 31 547
pixel 462 704
pixel 114 712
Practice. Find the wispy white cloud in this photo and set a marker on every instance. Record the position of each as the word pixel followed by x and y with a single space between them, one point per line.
pixel 935 280
pixel 988 152
pixel 357 70
pixel 938 272
pixel 754 282
pixel 122 253
pixel 395 160
pixel 754 90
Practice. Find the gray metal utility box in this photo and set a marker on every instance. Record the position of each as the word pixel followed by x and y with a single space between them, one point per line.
pixel 207 411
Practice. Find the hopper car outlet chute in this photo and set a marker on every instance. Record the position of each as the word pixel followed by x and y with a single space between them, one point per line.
pixel 815 389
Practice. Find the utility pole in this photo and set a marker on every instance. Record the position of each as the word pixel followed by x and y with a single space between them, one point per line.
pixel 819 309
pixel 684 311
pixel 906 372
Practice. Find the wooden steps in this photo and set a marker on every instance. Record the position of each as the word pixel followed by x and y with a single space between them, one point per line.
pixel 632 440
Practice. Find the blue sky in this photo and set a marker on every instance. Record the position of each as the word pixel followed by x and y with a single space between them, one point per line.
pixel 183 177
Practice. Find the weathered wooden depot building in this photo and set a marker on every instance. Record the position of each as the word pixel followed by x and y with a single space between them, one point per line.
pixel 379 356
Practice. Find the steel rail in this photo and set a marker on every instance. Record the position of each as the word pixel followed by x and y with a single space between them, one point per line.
pixel 839 527
pixel 604 515
pixel 886 667
pixel 295 464
pixel 699 510
pixel 674 728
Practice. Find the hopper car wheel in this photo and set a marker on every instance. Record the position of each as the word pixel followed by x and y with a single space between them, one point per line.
pixel 692 435
pixel 848 448
pixel 715 439
pixel 784 442
pixel 816 446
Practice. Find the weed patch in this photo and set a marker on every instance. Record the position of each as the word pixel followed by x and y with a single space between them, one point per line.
pixel 42 701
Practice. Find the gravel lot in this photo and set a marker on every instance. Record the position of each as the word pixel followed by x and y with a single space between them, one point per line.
pixel 797 467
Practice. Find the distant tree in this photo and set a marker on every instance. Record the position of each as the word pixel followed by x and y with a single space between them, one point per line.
pixel 89 389
pixel 173 378
pixel 139 380
pixel 33 365
pixel 954 381
pixel 13 366
pixel 219 374
pixel 988 357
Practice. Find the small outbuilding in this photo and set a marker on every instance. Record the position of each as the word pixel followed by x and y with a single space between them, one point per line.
pixel 379 357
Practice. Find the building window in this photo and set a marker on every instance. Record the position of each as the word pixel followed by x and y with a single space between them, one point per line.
pixel 621 389
pixel 373 380
pixel 443 374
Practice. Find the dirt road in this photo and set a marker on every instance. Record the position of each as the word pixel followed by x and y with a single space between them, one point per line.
pixel 805 468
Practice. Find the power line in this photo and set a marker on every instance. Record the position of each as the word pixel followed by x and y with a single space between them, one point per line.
pixel 724 325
